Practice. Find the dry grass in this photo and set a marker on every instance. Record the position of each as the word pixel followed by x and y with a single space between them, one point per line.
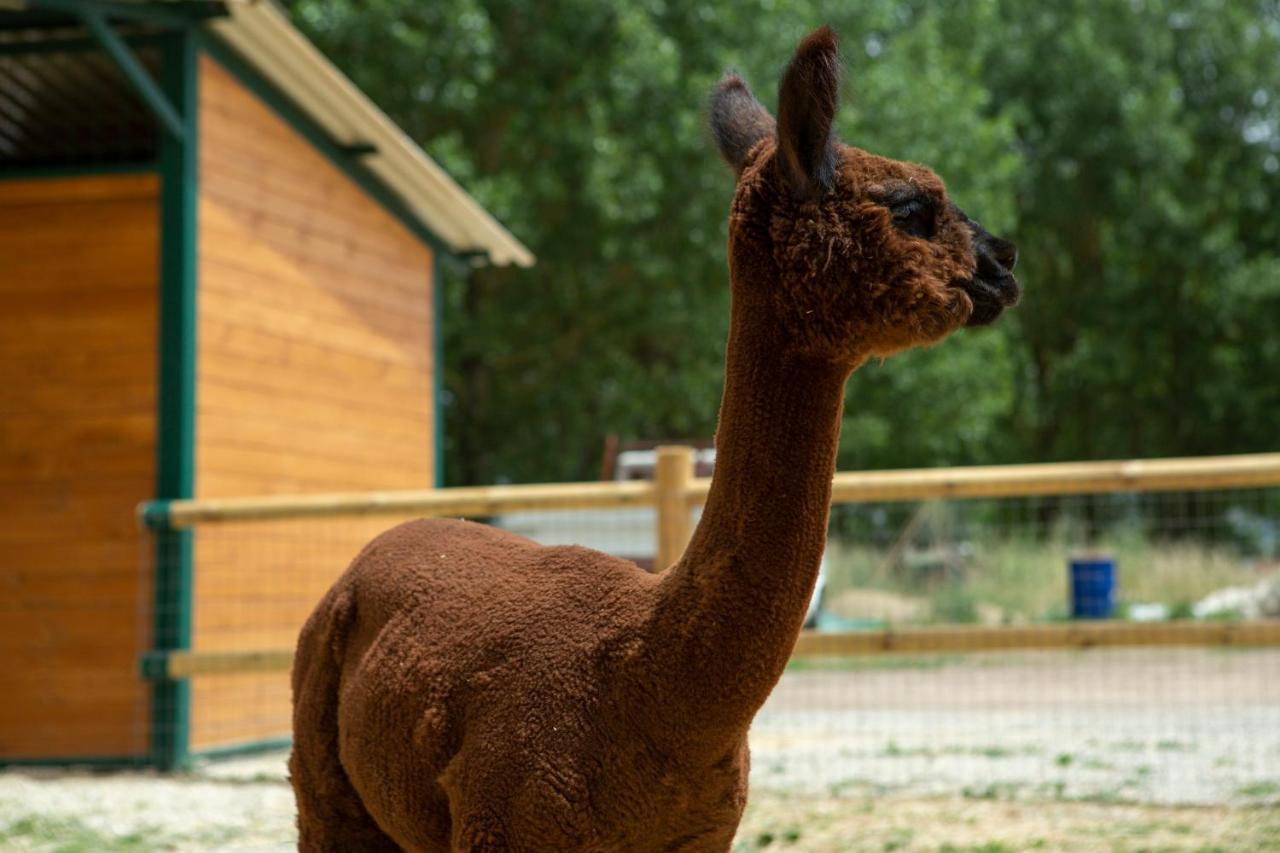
pixel 1015 579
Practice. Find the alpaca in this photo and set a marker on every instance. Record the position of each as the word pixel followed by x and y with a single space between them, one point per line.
pixel 461 687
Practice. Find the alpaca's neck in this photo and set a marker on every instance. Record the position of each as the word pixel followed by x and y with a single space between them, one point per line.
pixel 732 607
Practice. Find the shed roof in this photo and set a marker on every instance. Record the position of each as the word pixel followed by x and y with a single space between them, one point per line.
pixel 260 32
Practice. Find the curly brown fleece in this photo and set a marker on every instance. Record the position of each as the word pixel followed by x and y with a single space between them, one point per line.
pixel 463 688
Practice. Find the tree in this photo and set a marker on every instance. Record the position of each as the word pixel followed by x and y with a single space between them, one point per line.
pixel 1149 139
pixel 1129 146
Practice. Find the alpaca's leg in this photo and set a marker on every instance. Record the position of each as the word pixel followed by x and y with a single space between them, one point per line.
pixel 331 816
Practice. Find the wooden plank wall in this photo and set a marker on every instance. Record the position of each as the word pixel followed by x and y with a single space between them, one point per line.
pixel 78 296
pixel 314 375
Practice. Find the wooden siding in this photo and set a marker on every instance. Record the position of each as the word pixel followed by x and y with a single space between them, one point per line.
pixel 314 374
pixel 78 276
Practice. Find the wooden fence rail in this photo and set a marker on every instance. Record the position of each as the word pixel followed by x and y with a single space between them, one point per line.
pixel 675 491
pixel 466 501
pixel 993 481
pixel 1050 478
pixel 934 639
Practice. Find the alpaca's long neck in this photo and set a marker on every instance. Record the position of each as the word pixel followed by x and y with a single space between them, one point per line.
pixel 732 607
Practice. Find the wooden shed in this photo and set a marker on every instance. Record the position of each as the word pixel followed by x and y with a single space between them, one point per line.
pixel 218 268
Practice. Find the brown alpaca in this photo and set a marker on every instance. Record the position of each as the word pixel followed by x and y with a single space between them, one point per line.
pixel 463 688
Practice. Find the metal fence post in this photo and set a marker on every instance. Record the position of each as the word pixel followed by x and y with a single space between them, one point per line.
pixel 672 473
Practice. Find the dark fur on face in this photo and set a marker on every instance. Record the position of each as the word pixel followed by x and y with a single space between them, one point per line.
pixel 866 256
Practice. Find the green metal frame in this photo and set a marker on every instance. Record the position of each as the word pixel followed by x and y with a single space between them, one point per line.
pixel 152 95
pixel 74 44
pixel 248 748
pixel 177 15
pixel 78 171
pixel 94 14
pixel 437 370
pixel 175 433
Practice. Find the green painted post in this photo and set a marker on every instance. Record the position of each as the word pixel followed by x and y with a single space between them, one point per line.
pixel 133 71
pixel 175 439
pixel 437 367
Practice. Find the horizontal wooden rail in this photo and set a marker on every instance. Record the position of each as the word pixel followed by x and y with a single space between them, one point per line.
pixel 995 481
pixel 927 639
pixel 187 664
pixel 1067 635
pixel 1050 478
pixel 472 501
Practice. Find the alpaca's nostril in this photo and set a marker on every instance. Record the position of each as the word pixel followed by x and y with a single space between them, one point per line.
pixel 1006 253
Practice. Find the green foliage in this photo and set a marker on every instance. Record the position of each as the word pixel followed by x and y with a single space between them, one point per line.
pixel 1129 146
pixel 1149 137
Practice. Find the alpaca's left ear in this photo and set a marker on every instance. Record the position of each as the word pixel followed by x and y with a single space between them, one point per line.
pixel 737 120
pixel 807 100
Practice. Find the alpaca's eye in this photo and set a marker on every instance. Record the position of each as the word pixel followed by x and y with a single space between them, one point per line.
pixel 914 216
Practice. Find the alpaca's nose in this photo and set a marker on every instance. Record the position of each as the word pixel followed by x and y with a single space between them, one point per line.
pixel 1005 253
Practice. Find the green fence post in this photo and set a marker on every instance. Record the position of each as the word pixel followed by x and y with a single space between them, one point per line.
pixel 175 431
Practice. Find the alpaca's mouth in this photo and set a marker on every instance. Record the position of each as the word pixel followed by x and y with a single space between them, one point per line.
pixel 990 296
pixel 993 287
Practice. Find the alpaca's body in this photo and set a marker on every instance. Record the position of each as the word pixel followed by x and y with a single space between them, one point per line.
pixel 453 636
pixel 464 687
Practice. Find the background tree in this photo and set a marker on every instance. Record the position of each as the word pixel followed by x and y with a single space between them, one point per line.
pixel 1129 146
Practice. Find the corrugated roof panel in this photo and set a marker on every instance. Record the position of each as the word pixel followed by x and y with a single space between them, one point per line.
pixel 72 106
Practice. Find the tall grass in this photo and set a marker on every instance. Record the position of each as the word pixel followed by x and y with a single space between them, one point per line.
pixel 1011 576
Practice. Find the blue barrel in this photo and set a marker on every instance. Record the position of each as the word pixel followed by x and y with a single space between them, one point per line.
pixel 1093 586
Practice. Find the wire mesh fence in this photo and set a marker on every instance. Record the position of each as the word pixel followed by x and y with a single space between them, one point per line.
pixel 1152 725
pixel 984 698
pixel 1005 561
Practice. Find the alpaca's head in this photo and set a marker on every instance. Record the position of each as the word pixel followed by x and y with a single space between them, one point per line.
pixel 856 255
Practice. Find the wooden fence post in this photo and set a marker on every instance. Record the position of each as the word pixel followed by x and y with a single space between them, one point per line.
pixel 672 473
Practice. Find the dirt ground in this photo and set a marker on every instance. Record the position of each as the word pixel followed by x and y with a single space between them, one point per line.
pixel 1120 751
pixel 774 822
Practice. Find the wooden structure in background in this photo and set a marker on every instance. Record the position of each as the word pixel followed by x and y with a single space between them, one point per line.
pixel 314 373
pixel 219 266
pixel 77 449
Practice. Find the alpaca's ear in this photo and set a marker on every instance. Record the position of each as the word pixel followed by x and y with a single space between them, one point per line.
pixel 737 120
pixel 807 100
